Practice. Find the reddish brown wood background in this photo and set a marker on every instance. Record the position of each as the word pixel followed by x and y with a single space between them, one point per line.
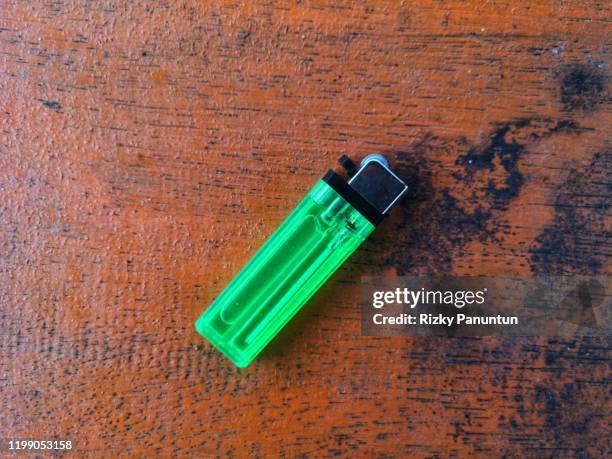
pixel 148 148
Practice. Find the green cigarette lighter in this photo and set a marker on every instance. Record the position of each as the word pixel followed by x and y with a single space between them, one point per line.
pixel 332 220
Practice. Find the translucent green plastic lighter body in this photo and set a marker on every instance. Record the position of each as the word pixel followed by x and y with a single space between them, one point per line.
pixel 314 240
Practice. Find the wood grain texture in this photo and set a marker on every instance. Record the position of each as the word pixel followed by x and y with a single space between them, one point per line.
pixel 148 148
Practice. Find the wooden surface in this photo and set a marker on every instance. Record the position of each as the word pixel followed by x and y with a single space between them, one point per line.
pixel 148 148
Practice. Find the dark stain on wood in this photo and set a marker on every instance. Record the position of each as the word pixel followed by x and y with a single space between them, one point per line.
pixel 505 149
pixel 576 241
pixel 584 87
pixel 435 224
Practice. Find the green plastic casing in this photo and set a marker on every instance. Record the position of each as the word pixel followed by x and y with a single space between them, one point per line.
pixel 308 247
